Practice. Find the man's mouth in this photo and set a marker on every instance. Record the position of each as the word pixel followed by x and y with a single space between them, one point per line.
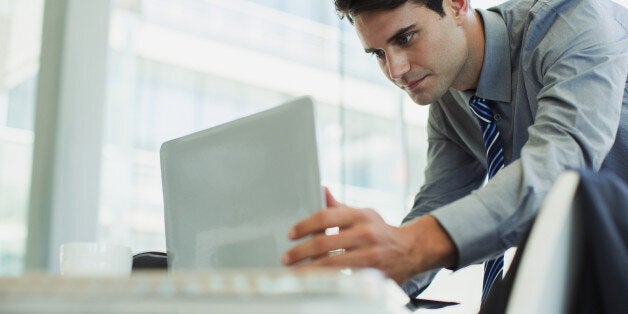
pixel 412 85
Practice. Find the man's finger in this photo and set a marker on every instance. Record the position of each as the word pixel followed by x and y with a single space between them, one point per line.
pixel 323 219
pixel 351 259
pixel 360 258
pixel 320 245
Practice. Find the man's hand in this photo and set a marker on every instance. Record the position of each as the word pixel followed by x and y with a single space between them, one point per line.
pixel 368 241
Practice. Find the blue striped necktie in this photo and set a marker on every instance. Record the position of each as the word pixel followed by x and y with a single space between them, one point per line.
pixel 493 269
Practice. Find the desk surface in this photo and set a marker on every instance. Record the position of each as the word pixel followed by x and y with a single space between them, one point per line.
pixel 232 291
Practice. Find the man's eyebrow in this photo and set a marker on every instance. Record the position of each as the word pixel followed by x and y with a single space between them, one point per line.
pixel 400 32
pixel 393 37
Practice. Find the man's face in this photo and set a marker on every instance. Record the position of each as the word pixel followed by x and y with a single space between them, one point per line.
pixel 418 50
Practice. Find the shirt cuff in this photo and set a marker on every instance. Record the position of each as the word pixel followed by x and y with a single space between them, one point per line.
pixel 417 284
pixel 472 228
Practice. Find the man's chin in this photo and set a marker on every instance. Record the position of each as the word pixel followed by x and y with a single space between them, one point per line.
pixel 421 99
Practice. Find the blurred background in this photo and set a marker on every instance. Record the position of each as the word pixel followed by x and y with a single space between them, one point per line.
pixel 175 67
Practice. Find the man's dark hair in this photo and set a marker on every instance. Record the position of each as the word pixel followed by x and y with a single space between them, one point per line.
pixel 351 8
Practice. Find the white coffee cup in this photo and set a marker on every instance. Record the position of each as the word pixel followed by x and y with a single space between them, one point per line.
pixel 95 259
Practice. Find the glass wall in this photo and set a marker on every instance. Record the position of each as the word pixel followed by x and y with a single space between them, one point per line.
pixel 20 38
pixel 176 67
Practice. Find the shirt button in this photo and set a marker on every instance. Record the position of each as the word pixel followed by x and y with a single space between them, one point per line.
pixel 497 117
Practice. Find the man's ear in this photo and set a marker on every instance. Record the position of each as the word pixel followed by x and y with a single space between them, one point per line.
pixel 459 8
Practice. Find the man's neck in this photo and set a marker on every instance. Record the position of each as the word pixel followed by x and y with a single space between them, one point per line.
pixel 470 73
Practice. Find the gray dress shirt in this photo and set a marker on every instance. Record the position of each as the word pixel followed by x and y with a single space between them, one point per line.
pixel 556 71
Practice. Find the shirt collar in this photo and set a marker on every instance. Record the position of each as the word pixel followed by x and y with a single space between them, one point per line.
pixel 494 82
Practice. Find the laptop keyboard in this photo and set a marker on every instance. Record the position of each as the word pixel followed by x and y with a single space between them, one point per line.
pixel 246 290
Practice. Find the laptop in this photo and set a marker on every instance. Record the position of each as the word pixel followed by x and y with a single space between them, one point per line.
pixel 231 192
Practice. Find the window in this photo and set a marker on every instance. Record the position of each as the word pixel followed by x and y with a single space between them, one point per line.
pixel 180 67
pixel 20 33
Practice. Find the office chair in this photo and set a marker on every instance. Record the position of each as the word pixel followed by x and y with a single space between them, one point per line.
pixel 574 257
pixel 551 258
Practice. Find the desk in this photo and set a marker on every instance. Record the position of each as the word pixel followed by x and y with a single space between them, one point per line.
pixel 216 291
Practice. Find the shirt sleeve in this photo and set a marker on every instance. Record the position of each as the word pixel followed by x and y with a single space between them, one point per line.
pixel 451 173
pixel 579 86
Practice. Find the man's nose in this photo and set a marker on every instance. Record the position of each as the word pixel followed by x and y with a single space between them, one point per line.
pixel 398 65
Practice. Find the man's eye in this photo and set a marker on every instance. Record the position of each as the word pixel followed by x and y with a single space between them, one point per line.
pixel 379 54
pixel 405 39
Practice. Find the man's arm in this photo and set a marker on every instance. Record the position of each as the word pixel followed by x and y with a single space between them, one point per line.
pixel 401 252
pixel 578 75
pixel 452 170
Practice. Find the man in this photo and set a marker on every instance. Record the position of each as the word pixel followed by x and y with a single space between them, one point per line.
pixel 551 73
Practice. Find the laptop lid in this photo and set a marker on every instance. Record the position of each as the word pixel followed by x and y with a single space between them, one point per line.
pixel 231 192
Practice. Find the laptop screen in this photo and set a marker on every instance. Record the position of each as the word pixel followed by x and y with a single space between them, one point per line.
pixel 231 192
